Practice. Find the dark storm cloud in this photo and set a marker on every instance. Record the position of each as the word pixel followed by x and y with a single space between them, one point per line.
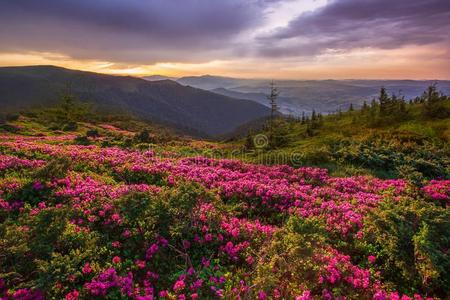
pixel 128 31
pixel 347 24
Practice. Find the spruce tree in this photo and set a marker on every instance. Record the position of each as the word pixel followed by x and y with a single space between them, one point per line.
pixel 351 107
pixel 365 106
pixel 433 106
pixel 383 100
pixel 313 116
pixel 273 101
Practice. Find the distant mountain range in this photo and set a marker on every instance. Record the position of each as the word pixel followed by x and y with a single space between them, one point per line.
pixel 187 108
pixel 323 96
pixel 209 82
pixel 159 77
pixel 201 105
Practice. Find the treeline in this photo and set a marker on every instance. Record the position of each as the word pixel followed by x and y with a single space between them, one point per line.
pixel 388 109
pixel 383 111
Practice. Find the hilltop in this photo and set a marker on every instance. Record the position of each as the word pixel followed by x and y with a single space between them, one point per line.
pixel 192 110
pixel 407 140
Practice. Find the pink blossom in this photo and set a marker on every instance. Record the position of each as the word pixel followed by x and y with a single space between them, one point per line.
pixel 87 268
pixel 140 264
pixel 262 295
pixel 72 295
pixel 305 296
pixel 116 260
pixel 163 294
pixel 179 285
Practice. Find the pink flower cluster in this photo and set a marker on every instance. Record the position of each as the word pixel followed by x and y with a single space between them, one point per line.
pixel 338 268
pixel 438 190
pixel 109 279
pixel 341 203
pixel 81 189
pixel 20 294
pixel 8 162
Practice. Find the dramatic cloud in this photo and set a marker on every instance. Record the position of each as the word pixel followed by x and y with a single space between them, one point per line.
pixel 262 38
pixel 129 31
pixel 348 24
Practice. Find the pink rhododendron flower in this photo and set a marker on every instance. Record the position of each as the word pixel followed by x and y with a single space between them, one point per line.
pixel 262 295
pixel 179 285
pixel 87 268
pixel 116 260
pixel 73 295
pixel 163 294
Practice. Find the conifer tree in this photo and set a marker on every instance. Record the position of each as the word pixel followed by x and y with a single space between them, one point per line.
pixel 309 130
pixel 273 101
pixel 365 106
pixel 383 100
pixel 313 116
pixel 249 143
pixel 433 106
pixel 320 119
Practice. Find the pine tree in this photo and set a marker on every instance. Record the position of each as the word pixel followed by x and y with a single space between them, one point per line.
pixel 351 107
pixel 309 130
pixel 373 112
pixel 273 101
pixel 313 116
pixel 384 100
pixel 320 119
pixel 249 143
pixel 365 107
pixel 433 106
pixel 373 104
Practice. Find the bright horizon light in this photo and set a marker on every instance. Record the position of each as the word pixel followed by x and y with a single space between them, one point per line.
pixel 283 39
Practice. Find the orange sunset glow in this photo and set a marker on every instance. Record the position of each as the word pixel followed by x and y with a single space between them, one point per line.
pixel 279 39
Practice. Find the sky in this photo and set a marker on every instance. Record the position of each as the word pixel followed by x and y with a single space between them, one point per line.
pixel 278 39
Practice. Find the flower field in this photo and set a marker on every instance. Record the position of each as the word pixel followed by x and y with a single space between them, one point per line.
pixel 93 222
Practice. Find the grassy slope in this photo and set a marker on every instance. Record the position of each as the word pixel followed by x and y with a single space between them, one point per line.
pixel 349 131
pixel 344 144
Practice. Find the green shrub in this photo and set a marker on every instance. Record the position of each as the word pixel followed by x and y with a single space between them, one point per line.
pixel 144 137
pixel 55 168
pixel 9 128
pixel 70 126
pixel 291 253
pixel 12 117
pixel 411 238
pixel 92 133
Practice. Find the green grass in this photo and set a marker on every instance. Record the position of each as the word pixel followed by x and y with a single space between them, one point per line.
pixel 346 144
pixel 351 144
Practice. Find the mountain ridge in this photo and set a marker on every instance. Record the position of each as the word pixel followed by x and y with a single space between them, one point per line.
pixel 325 96
pixel 163 100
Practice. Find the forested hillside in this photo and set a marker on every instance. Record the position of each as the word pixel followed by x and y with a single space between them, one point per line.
pixel 390 137
pixel 191 110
